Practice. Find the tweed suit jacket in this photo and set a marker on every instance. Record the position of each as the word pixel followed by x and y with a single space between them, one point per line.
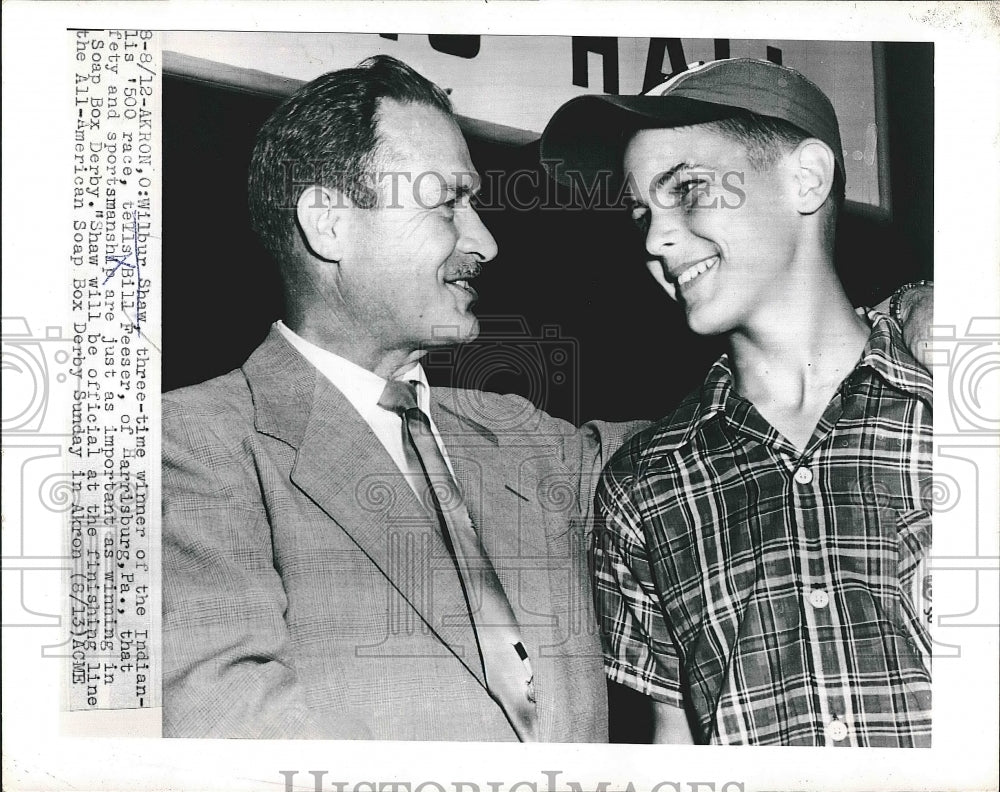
pixel 307 593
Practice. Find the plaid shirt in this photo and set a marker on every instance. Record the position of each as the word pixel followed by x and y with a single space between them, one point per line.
pixel 779 595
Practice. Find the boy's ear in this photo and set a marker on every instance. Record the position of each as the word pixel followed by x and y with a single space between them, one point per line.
pixel 323 215
pixel 815 166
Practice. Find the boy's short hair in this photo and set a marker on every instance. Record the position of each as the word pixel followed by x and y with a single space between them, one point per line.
pixel 765 139
pixel 326 133
pixel 761 104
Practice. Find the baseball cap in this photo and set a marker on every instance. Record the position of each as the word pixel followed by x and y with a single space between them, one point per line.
pixel 588 134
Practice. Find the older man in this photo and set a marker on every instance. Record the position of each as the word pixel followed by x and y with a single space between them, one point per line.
pixel 347 552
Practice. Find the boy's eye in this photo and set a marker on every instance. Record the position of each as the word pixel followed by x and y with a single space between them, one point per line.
pixel 688 191
pixel 689 186
pixel 639 215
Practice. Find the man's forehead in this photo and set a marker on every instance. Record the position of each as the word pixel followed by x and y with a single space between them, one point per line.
pixel 418 131
pixel 451 183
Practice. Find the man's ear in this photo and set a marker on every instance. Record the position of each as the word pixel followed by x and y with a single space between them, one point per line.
pixel 814 166
pixel 323 215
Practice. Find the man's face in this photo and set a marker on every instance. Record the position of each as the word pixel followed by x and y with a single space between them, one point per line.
pixel 407 271
pixel 719 234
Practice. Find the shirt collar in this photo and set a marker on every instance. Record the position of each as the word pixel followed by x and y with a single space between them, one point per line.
pixel 715 393
pixel 361 387
pixel 885 353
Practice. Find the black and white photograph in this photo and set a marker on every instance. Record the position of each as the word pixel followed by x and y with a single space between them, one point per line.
pixel 518 401
pixel 542 283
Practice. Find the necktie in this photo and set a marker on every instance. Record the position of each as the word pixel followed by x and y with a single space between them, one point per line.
pixel 505 661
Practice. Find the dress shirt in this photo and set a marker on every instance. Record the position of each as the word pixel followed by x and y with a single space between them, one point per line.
pixel 363 389
pixel 780 594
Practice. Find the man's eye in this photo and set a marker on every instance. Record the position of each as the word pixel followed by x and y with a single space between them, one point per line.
pixel 463 201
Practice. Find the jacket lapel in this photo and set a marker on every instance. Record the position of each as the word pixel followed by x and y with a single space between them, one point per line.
pixel 508 521
pixel 343 468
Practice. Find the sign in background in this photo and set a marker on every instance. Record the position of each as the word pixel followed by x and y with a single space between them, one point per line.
pixel 518 82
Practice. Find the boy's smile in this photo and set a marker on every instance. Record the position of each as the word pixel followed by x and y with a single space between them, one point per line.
pixel 723 253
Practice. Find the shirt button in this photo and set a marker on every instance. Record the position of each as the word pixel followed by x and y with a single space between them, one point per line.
pixel 803 475
pixel 836 730
pixel 819 598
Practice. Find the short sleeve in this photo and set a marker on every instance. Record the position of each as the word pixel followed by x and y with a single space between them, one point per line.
pixel 639 651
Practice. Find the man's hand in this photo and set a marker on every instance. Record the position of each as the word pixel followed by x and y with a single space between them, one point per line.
pixel 915 313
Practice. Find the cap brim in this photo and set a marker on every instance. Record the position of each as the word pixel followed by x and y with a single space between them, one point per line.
pixel 586 137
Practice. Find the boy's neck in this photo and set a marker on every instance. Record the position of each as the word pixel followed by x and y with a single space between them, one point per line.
pixel 794 357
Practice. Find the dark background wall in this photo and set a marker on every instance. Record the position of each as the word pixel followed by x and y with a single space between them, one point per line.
pixel 571 318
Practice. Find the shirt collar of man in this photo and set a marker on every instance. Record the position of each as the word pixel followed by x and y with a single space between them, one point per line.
pixel 885 353
pixel 361 387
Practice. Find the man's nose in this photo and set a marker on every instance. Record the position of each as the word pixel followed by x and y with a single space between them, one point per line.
pixel 475 238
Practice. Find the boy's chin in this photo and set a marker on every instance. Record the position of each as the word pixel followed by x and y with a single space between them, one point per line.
pixel 703 322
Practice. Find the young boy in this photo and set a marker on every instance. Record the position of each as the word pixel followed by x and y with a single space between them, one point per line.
pixel 759 559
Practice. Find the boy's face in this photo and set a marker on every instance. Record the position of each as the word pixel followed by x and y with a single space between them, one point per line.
pixel 721 236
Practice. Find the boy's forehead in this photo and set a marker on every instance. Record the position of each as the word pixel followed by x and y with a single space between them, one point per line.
pixel 665 147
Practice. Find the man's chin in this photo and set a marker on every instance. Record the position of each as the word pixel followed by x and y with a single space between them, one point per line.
pixel 450 335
